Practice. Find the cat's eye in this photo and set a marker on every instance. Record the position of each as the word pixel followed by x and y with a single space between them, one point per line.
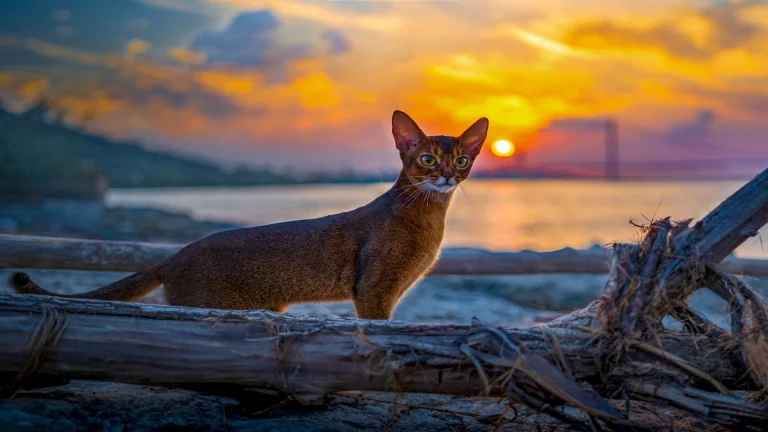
pixel 428 160
pixel 462 162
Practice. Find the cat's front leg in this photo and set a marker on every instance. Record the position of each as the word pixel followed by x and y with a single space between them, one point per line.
pixel 384 274
pixel 377 290
pixel 372 303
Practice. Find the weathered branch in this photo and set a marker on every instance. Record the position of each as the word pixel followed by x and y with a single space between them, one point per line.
pixel 654 279
pixel 730 224
pixel 716 236
pixel 673 256
pixel 731 411
pixel 77 254
pixel 169 344
pixel 162 345
pixel 18 251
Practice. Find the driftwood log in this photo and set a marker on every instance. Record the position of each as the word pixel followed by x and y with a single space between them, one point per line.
pixel 303 356
pixel 17 251
pixel 598 359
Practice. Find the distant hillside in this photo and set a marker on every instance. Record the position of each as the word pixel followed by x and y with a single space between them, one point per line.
pixel 31 147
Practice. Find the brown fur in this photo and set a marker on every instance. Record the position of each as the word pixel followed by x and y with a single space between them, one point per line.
pixel 372 254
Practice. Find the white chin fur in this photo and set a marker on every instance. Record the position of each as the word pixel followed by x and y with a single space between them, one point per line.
pixel 444 188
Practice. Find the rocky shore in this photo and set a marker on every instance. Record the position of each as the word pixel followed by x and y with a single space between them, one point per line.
pixel 95 220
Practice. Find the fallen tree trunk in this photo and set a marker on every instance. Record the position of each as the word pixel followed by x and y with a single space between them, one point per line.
pixel 161 344
pixel 76 254
pixel 165 345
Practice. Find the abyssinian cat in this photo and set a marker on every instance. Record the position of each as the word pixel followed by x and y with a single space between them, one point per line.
pixel 372 254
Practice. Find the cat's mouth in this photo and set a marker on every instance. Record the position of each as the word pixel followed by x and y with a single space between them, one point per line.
pixel 441 188
pixel 442 185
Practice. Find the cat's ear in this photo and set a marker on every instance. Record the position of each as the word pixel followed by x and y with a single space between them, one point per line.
pixel 406 132
pixel 473 138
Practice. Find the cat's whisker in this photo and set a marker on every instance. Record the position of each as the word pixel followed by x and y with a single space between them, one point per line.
pixel 412 198
pixel 403 187
pixel 469 198
pixel 411 194
pixel 430 191
pixel 408 187
pixel 411 185
pixel 423 187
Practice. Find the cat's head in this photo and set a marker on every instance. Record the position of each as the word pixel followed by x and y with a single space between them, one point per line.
pixel 442 162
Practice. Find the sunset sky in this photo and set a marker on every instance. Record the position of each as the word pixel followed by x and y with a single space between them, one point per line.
pixel 313 84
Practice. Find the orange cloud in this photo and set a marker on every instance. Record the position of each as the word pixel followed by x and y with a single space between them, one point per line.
pixel 33 88
pixel 136 46
pixel 185 56
pixel 316 91
pixel 96 104
pixel 230 84
pixel 321 13
pixel 60 52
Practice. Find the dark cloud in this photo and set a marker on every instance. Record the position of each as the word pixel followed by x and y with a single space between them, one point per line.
pixel 204 101
pixel 136 87
pixel 337 43
pixel 693 134
pixel 250 40
pixel 754 102
pixel 176 91
pixel 14 57
pixel 91 60
pixel 137 24
pixel 98 26
pixel 245 42
pixel 744 95
pixel 200 7
pixel 729 31
pixel 363 6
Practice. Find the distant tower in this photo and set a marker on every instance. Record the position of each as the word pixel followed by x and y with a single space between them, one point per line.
pixel 611 150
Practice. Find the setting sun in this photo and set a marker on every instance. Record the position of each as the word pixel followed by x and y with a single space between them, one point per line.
pixel 503 148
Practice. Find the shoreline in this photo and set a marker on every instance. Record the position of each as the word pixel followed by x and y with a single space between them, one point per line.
pixel 97 220
pixel 388 181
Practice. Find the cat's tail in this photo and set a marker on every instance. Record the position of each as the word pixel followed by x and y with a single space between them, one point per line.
pixel 131 288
